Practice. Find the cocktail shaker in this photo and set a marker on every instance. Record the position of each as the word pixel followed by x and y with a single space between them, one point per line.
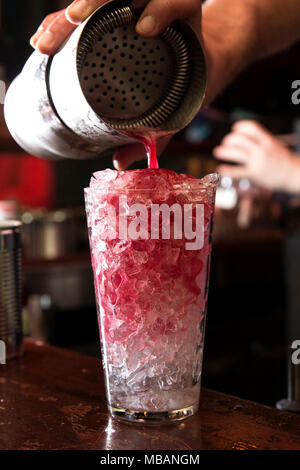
pixel 10 288
pixel 105 85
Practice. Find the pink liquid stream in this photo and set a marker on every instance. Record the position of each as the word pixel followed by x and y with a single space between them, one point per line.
pixel 151 154
pixel 149 143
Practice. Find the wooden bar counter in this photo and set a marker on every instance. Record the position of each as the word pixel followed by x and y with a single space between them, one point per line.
pixel 53 399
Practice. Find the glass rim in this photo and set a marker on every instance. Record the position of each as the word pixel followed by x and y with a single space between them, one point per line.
pixel 208 182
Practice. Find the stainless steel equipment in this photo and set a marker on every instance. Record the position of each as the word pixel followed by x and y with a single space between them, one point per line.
pixel 69 285
pixel 11 288
pixel 41 320
pixel 106 85
pixel 55 234
pixel 61 302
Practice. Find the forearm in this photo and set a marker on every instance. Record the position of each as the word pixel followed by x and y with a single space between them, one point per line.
pixel 238 32
pixel 293 180
pixel 278 25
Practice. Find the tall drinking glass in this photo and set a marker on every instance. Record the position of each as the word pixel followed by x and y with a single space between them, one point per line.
pixel 150 239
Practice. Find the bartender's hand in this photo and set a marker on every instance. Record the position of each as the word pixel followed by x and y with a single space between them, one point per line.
pixel 223 60
pixel 234 33
pixel 260 157
pixel 157 15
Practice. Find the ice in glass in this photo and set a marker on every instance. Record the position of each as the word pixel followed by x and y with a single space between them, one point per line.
pixel 150 238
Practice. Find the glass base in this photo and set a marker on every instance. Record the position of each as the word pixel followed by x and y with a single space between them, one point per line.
pixel 149 417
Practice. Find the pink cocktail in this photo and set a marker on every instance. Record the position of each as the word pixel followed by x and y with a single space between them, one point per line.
pixel 150 238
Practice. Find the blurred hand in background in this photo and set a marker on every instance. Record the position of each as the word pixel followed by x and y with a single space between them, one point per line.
pixel 254 153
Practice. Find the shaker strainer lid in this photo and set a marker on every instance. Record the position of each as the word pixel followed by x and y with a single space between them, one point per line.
pixel 133 82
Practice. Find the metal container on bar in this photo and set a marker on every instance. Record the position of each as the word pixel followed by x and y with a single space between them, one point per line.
pixel 11 288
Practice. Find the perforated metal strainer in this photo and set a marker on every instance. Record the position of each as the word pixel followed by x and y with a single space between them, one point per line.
pixel 135 82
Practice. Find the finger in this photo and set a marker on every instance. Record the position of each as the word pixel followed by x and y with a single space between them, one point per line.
pixel 80 10
pixel 239 141
pixel 253 130
pixel 47 21
pixel 160 13
pixel 55 34
pixel 230 154
pixel 126 156
pixel 36 36
pixel 237 172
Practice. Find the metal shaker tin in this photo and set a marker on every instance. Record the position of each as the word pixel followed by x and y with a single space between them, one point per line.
pixel 11 334
pixel 105 85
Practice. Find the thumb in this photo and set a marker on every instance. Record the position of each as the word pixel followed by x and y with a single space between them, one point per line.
pixel 125 156
pixel 160 13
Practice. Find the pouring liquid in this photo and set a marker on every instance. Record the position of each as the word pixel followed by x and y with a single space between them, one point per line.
pixel 149 143
pixel 152 155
